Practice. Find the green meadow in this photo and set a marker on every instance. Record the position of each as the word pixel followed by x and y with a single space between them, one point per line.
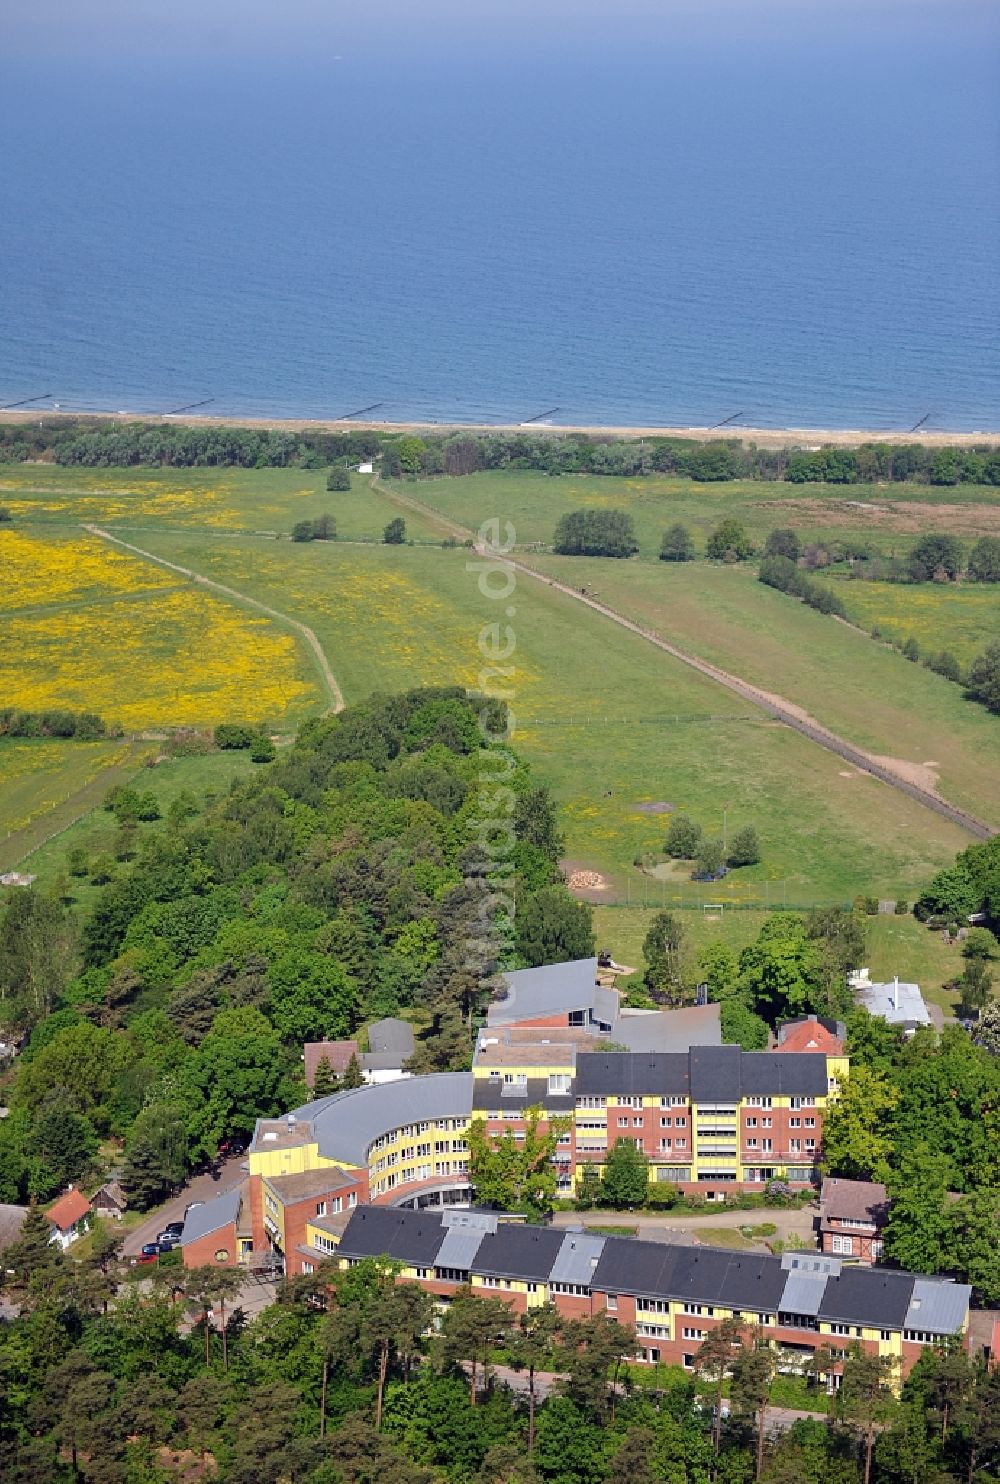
pixel 963 617
pixel 892 518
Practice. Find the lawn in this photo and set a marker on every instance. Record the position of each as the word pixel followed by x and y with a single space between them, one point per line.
pixel 219 500
pixel 896 945
pixel 891 518
pixel 389 618
pixel 864 691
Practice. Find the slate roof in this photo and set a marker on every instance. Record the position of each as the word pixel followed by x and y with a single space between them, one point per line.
pixel 938 1306
pixel 68 1210
pixel 413 1237
pixel 347 1124
pixel 490 1096
pixel 795 1074
pixel 391 1037
pixel 630 1266
pixel 221 1210
pixel 525 1252
pixel 715 1074
pixel 631 1073
pixel 552 989
pixel 873 1297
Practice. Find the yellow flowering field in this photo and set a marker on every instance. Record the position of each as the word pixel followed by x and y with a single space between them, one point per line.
pixel 961 617
pixel 36 776
pixel 187 659
pixel 38 569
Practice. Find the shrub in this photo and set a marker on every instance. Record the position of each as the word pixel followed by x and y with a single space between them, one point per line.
pixel 677 545
pixel 596 533
pixel 683 838
pixel 984 560
pixel 983 683
pixel 785 543
pixel 744 848
pixel 935 554
pixel 910 650
pixel 944 664
pixel 729 541
pixel 901 908
pixel 394 533
pixel 234 736
pixel 262 749
pixel 339 478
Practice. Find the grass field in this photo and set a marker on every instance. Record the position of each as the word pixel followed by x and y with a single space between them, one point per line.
pixel 219 500
pixel 896 945
pixel 864 691
pixel 96 830
pixel 44 784
pixel 892 518
pixel 963 618
pixel 122 637
pixel 394 618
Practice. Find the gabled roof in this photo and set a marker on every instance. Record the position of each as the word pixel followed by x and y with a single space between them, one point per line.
pixel 796 1074
pixel 113 1193
pixel 489 1096
pixel 854 1200
pixel 337 1053
pixel 627 1265
pixel 222 1210
pixel 413 1237
pixel 631 1073
pixel 551 989
pixel 68 1210
pixel 873 1297
pixel 391 1038
pixel 811 1034
pixel 524 1252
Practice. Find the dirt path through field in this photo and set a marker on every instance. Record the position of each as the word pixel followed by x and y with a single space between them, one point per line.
pixel 906 777
pixel 329 679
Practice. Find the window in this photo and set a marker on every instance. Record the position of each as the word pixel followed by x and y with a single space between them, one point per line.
pixel 666 1123
pixel 321 1208
pixel 693 1309
pixel 810 1144
pixel 752 1144
pixel 692 1334
pixel 682 1143
pixel 559 1082
pixel 795 1123
pixel 766 1122
pixel 637 1123
pixel 809 1122
pixel 666 1143
pixel 681 1123
pixel 623 1123
pixel 803 1102
pixel 843 1245
pixel 885 1334
pixel 767 1145
pixel 795 1146
pixel 612 1301
pixel 840 1329
pixel 758 1102
pixel 307 1267
pixel 877 1246
pixel 630 1102
pixel 751 1123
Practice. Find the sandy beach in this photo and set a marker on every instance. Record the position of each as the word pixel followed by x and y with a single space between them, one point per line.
pixel 762 437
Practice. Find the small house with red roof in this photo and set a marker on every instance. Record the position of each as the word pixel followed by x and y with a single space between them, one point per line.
pixel 811 1033
pixel 69 1218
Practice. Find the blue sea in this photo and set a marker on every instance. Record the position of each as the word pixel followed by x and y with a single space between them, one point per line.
pixel 674 234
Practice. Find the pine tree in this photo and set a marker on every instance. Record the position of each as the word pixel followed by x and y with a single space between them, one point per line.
pixel 326 1082
pixel 353 1075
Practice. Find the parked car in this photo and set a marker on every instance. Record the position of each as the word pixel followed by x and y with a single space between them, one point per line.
pixel 150 1252
pixel 167 1240
pixel 173 1230
pixel 237 1144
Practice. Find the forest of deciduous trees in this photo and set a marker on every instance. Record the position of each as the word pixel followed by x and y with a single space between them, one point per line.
pixel 340 884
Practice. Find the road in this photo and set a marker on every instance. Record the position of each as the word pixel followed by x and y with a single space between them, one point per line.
pixel 665 1226
pixel 772 705
pixel 201 1188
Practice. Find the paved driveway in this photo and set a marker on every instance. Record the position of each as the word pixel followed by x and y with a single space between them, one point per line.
pixel 201 1188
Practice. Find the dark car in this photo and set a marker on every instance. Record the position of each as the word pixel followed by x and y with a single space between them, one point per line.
pixel 238 1144
pixel 173 1230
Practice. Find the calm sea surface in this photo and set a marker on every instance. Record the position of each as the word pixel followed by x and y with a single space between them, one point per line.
pixel 667 238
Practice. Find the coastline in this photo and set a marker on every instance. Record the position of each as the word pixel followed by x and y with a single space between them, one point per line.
pixel 762 437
